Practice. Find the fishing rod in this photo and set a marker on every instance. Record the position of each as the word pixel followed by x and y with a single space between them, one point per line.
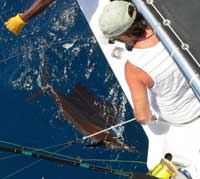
pixel 71 162
pixel 75 163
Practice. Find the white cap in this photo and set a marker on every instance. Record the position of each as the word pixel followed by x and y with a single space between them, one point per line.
pixel 115 18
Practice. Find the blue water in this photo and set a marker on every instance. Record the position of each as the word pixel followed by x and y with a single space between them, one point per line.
pixel 38 123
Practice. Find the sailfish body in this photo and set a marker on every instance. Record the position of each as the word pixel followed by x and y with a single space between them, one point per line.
pixel 88 115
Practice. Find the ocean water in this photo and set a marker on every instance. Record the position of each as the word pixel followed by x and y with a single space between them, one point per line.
pixel 62 37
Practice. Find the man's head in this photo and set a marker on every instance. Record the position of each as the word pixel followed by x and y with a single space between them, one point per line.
pixel 116 18
pixel 120 20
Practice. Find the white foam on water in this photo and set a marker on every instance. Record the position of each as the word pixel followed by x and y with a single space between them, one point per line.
pixel 68 45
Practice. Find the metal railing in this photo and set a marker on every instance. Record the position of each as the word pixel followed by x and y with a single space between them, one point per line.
pixel 181 54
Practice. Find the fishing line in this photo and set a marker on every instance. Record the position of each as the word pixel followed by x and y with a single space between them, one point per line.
pixel 67 144
pixel 22 169
pixel 9 156
pixel 8 58
pixel 35 149
pixel 40 47
pixel 114 161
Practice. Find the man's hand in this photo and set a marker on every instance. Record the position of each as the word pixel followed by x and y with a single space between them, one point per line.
pixel 15 24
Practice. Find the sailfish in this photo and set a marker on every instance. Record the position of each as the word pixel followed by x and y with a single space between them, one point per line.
pixel 86 113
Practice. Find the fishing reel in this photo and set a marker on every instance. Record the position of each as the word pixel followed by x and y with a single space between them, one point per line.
pixel 164 170
pixel 167 170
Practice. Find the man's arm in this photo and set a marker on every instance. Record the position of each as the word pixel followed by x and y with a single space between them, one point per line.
pixel 138 82
pixel 16 23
